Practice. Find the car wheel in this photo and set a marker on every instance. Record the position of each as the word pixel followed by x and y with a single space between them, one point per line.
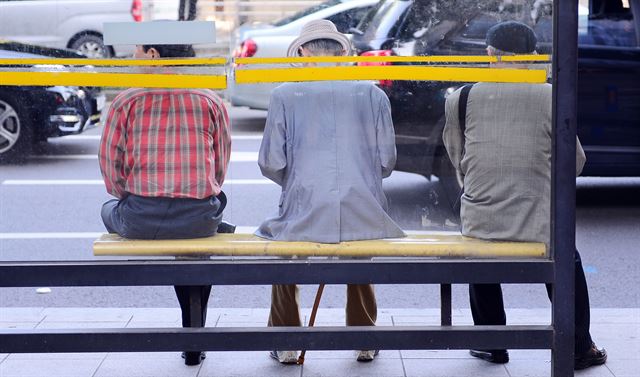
pixel 15 131
pixel 91 46
pixel 450 182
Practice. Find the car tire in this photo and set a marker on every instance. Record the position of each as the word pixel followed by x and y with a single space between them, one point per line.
pixel 91 45
pixel 450 182
pixel 16 133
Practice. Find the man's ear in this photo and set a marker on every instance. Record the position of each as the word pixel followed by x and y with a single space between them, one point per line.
pixel 153 53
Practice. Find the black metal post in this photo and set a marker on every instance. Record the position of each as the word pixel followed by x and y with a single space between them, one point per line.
pixel 563 183
pixel 445 305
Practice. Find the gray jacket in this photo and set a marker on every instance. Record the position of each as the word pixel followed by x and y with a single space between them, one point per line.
pixel 328 145
pixel 506 165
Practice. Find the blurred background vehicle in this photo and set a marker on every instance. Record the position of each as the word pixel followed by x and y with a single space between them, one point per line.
pixel 72 24
pixel 30 114
pixel 272 40
pixel 609 75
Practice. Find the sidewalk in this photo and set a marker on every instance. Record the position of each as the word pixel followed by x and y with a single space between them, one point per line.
pixel 618 330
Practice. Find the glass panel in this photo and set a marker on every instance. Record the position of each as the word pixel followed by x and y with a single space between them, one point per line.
pixel 52 187
pixel 607 23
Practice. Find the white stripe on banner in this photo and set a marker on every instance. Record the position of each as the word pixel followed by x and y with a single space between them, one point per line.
pixel 74 182
pixel 235 157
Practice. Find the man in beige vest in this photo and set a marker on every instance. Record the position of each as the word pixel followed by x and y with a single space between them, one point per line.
pixel 504 158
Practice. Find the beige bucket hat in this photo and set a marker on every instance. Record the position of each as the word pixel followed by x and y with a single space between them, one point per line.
pixel 319 29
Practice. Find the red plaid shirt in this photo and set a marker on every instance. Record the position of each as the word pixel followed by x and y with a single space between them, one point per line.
pixel 171 143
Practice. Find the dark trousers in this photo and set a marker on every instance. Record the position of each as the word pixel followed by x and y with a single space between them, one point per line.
pixel 487 306
pixel 140 217
pixel 182 10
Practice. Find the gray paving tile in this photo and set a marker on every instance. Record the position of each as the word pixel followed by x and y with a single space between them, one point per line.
pixel 624 368
pixel 529 368
pixel 620 350
pixel 88 314
pixel 158 314
pixel 80 325
pixel 615 331
pixel 21 314
pixel 351 355
pixel 542 368
pixel 57 356
pixel 18 325
pixel 144 356
pixel 350 367
pixel 49 368
pixel 435 354
pixel 141 367
pixel 241 324
pixel 452 368
pixel 143 325
pixel 599 371
pixel 614 315
pixel 530 355
pixel 245 364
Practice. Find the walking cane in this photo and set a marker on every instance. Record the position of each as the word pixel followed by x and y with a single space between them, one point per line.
pixel 312 319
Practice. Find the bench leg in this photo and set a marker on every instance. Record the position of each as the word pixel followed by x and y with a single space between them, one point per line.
pixel 445 305
pixel 195 307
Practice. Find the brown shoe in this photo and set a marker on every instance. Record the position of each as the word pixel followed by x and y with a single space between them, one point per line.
pixel 593 356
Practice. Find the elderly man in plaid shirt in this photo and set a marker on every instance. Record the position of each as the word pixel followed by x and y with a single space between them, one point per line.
pixel 164 155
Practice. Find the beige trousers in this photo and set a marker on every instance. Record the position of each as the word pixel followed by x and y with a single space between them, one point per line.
pixel 361 306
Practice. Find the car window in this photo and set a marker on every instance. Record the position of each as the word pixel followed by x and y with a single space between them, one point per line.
pixel 368 17
pixel 608 23
pixel 306 12
pixel 348 19
pixel 386 21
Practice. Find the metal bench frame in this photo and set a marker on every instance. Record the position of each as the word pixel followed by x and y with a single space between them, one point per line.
pixel 559 270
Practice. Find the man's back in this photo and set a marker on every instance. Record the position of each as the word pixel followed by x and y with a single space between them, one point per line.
pixel 165 143
pixel 329 144
pixel 507 160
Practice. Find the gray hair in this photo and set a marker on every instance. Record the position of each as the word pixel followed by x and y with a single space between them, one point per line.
pixel 324 47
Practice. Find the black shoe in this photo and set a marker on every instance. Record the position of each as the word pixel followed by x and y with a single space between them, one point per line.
pixel 593 356
pixel 225 227
pixel 492 356
pixel 193 358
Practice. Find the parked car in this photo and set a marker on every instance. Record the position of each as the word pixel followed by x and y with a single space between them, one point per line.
pixel 608 75
pixel 29 114
pixel 72 24
pixel 272 40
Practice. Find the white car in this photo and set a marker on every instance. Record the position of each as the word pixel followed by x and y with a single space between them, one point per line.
pixel 272 40
pixel 73 24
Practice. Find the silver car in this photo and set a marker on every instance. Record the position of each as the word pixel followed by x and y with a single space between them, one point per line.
pixel 74 24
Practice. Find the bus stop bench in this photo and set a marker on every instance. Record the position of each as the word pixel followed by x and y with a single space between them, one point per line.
pixel 237 245
pixel 243 259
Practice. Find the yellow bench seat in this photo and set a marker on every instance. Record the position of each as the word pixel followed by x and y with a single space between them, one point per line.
pixel 423 245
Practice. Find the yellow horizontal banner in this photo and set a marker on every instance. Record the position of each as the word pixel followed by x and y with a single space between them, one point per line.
pixel 128 80
pixel 411 73
pixel 116 62
pixel 398 59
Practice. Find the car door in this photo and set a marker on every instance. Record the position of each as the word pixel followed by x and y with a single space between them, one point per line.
pixel 609 87
pixel 30 21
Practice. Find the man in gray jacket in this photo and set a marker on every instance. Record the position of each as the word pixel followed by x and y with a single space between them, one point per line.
pixel 328 145
pixel 504 158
